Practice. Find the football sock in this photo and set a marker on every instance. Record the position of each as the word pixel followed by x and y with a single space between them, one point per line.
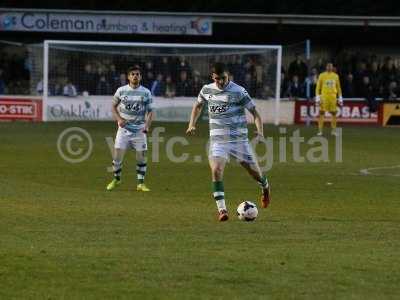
pixel 117 168
pixel 333 122
pixel 141 172
pixel 320 122
pixel 263 182
pixel 219 195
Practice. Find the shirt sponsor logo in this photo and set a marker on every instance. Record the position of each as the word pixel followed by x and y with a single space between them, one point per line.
pixel 218 109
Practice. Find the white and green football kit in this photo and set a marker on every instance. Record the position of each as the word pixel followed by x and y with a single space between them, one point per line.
pixel 133 104
pixel 227 121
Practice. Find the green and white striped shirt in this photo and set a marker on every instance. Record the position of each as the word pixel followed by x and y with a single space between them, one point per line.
pixel 133 104
pixel 226 111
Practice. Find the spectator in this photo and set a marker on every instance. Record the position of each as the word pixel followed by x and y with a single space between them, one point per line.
pixel 88 80
pixel 149 78
pixel 344 61
pixel 158 86
pixel 74 67
pixel 393 91
pixel 184 86
pixel 112 75
pixel 295 89
pixel 148 74
pixel 248 68
pixel 266 93
pixel 375 76
pixel 298 68
pixel 120 82
pixel 15 87
pixel 284 83
pixel 249 84
pixel 28 64
pixel 311 83
pixel 165 66
pixel 349 88
pixel 56 87
pixel 389 71
pixel 148 67
pixel 69 89
pixel 170 90
pixel 197 82
pixel 320 66
pixel 359 75
pixel 103 86
pixel 39 88
pixel 183 65
pixel 99 72
pixel 367 92
pixel 236 69
pixel 258 75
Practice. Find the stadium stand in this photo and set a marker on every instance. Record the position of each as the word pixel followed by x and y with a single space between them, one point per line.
pixel 363 75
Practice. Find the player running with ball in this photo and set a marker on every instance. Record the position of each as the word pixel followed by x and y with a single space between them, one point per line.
pixel 227 102
pixel 132 108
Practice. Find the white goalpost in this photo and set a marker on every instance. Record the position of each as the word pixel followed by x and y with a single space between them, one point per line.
pixel 92 69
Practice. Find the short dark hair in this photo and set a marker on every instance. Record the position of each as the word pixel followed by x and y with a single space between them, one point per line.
pixel 219 68
pixel 134 68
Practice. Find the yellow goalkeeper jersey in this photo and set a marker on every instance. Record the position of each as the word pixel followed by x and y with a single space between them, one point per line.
pixel 328 85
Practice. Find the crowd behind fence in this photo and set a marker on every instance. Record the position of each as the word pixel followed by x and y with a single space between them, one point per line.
pixel 362 75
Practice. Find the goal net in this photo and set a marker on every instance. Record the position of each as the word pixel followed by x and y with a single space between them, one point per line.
pixel 173 72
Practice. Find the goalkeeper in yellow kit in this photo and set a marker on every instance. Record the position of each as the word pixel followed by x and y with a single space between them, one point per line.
pixel 328 95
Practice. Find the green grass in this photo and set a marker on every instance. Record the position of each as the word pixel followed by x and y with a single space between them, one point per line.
pixel 62 236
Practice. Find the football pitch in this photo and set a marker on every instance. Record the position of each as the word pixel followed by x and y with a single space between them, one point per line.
pixel 331 231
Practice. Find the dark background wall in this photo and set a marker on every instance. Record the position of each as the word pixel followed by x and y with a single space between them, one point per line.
pixel 242 34
pixel 335 7
pixel 234 33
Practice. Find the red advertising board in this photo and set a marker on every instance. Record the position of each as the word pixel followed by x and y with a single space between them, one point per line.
pixel 21 109
pixel 354 112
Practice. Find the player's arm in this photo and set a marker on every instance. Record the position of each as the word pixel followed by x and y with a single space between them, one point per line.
pixel 196 112
pixel 318 90
pixel 249 104
pixel 257 121
pixel 194 116
pixel 148 120
pixel 339 91
pixel 149 115
pixel 116 100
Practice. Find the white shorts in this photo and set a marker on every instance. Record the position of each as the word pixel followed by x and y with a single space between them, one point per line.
pixel 242 151
pixel 127 139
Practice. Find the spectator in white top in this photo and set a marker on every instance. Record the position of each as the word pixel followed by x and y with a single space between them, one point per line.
pixel 70 90
pixel 39 87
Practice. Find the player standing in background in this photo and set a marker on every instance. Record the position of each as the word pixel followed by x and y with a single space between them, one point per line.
pixel 132 108
pixel 227 102
pixel 327 95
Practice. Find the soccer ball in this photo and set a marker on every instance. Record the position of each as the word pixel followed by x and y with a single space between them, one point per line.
pixel 247 211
